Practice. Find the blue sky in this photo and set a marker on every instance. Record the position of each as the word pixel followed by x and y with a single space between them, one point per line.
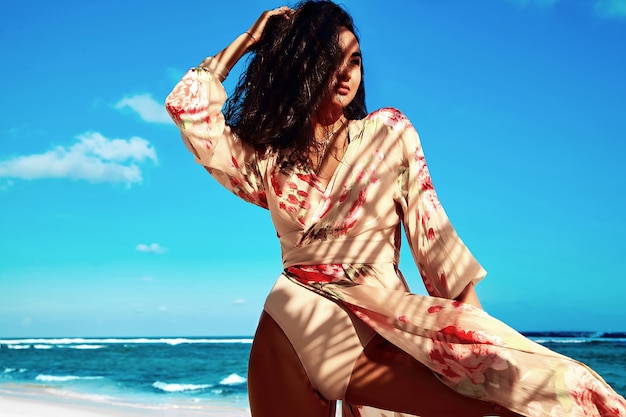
pixel 108 228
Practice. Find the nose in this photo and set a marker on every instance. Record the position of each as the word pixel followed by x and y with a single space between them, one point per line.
pixel 343 72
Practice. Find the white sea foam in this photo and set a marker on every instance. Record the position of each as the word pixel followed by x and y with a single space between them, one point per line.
pixel 82 395
pixel 79 341
pixel 562 341
pixel 567 340
pixel 12 370
pixel 42 346
pixel 85 347
pixel 179 387
pixel 233 379
pixel 64 378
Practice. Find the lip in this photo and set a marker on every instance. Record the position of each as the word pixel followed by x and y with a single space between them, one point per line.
pixel 343 89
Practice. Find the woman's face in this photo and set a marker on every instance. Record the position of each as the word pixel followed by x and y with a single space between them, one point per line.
pixel 348 77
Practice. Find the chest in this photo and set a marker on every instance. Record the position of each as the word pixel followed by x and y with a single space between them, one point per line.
pixel 363 185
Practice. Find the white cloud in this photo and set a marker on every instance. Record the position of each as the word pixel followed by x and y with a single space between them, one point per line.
pixel 239 301
pixel 146 107
pixel 611 8
pixel 153 248
pixel 93 158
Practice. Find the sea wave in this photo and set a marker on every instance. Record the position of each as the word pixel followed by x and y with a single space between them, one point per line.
pixel 84 396
pixel 576 334
pixel 13 370
pixel 80 341
pixel 572 341
pixel 569 340
pixel 179 387
pixel 97 343
pixel 85 347
pixel 233 379
pixel 63 378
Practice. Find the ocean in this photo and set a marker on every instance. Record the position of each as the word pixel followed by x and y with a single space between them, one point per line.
pixel 188 373
pixel 197 373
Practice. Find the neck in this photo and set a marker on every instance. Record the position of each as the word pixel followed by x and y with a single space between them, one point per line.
pixel 323 124
pixel 328 117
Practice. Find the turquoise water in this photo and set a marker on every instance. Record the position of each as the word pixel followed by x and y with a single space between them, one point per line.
pixel 605 353
pixel 166 371
pixel 206 371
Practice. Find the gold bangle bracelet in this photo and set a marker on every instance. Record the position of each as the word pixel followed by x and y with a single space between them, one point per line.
pixel 253 38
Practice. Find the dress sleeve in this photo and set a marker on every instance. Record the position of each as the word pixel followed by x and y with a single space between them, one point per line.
pixel 195 104
pixel 445 264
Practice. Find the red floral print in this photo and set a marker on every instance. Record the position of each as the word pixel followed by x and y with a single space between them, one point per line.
pixel 404 319
pixel 327 204
pixel 391 117
pixel 354 213
pixel 591 396
pixel 373 319
pixel 276 186
pixel 434 309
pixel 188 97
pixel 317 273
pixel 460 355
pixel 383 183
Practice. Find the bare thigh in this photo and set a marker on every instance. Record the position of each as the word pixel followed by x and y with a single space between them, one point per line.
pixel 387 377
pixel 278 386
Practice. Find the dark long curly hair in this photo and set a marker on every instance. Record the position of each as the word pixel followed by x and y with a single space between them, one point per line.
pixel 289 73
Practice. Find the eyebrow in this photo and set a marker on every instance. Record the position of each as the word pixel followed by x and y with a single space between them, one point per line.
pixel 356 54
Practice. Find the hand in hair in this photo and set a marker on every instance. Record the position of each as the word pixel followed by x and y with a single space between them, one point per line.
pixel 229 56
pixel 256 30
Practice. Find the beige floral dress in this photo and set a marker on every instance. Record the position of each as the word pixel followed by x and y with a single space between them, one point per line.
pixel 340 242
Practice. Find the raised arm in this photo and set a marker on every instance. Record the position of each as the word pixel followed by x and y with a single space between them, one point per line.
pixel 195 105
pixel 229 56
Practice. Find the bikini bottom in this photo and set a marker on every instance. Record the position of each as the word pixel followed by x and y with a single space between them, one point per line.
pixel 326 336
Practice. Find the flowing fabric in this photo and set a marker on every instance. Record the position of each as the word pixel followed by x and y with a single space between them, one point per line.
pixel 341 239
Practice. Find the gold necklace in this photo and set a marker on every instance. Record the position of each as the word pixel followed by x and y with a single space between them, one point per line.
pixel 329 137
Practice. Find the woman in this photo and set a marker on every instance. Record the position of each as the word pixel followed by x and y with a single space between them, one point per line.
pixel 340 324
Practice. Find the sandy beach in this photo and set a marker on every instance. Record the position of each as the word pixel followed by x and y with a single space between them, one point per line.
pixel 24 402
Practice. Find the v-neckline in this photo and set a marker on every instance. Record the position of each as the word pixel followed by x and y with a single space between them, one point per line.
pixel 326 188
